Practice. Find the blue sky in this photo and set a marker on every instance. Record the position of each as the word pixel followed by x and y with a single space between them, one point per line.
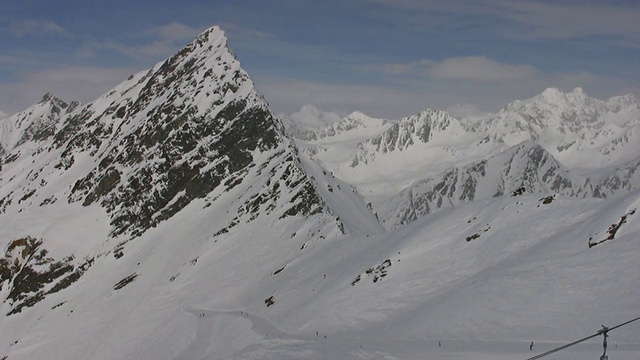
pixel 387 58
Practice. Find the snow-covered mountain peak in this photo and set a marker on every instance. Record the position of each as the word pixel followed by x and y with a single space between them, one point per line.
pixel 465 112
pixel 212 39
pixel 169 136
pixel 359 115
pixel 551 94
pixel 550 115
pixel 363 119
pixel 188 144
pixel 310 117
pixel 213 32
pixel 624 102
pixel 356 125
pixel 38 122
pixel 47 97
pixel 552 98
pixel 577 92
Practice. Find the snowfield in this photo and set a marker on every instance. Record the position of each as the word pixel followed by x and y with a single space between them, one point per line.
pixel 529 276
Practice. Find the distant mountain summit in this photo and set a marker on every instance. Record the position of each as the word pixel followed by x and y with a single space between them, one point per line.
pixel 554 114
pixel 566 143
pixel 465 111
pixel 37 123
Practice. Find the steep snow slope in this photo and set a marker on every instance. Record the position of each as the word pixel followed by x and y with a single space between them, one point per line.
pixel 344 200
pixel 36 124
pixel 484 279
pixel 529 275
pixel 525 168
pixel 190 132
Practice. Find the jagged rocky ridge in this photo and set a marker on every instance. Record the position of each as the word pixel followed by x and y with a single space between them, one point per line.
pixel 37 123
pixel 167 136
pixel 558 143
pixel 524 168
pixel 191 128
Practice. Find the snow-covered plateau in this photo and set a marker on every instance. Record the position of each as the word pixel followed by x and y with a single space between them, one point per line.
pixel 176 217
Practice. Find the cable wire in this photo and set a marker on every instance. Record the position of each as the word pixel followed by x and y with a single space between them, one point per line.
pixel 600 332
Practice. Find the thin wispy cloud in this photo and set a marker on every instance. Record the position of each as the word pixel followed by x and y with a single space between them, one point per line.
pixel 414 87
pixel 289 93
pixel 92 48
pixel 384 57
pixel 569 21
pixel 479 68
pixel 174 31
pixel 156 41
pixel 37 27
pixel 532 20
pixel 470 68
pixel 267 43
pixel 80 83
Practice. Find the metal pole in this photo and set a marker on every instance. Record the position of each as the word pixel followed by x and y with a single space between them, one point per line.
pixel 604 331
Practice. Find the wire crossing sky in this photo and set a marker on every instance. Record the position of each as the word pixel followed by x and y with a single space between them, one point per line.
pixel 387 58
pixel 602 332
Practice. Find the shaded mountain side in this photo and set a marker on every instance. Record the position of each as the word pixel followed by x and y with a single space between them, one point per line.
pixel 36 124
pixel 190 132
pixel 191 124
pixel 525 168
pixel 407 132
pixel 621 179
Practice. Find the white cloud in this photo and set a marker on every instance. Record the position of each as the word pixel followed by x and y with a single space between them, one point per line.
pixel 526 19
pixel 174 31
pixel 93 48
pixel 568 21
pixel 83 84
pixel 162 41
pixel 388 100
pixel 37 27
pixel 469 68
pixel 404 95
pixel 479 68
pixel 287 94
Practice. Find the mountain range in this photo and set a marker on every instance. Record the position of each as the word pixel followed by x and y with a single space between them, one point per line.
pixel 178 217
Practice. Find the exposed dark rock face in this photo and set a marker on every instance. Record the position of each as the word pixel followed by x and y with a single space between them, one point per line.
pixel 188 128
pixel 28 271
pixel 404 133
pixel 167 137
pixel 613 229
pixel 525 166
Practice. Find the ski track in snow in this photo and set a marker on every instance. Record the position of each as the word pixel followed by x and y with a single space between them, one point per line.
pixel 278 344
